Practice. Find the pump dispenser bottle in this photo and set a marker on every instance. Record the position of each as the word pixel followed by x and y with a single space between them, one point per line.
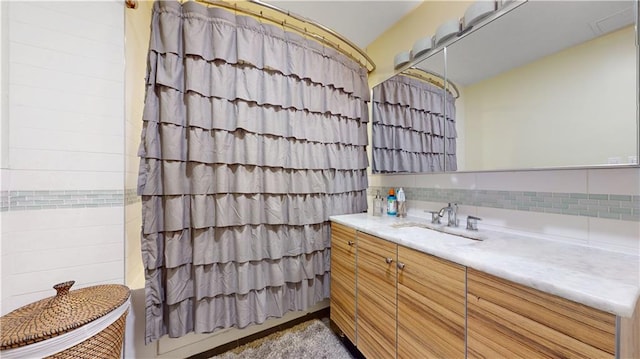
pixel 402 204
pixel 378 205
pixel 392 203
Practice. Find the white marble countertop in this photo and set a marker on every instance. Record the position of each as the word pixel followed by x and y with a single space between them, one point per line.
pixel 605 280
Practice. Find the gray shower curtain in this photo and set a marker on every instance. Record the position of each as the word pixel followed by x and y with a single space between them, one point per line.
pixel 413 126
pixel 253 136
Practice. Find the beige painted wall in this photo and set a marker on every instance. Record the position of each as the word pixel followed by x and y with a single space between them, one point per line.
pixel 575 107
pixel 136 47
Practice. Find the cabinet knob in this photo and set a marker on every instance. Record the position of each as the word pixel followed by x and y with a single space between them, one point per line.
pixel 388 260
pixel 350 243
pixel 400 265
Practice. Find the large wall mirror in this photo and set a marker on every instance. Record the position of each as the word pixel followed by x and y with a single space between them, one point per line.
pixel 409 125
pixel 538 84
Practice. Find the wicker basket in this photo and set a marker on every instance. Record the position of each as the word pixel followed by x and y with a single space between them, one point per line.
pixel 48 328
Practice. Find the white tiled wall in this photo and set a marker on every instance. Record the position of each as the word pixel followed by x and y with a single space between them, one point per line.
pixel 617 235
pixel 538 181
pixel 64 127
pixel 4 124
pixel 4 88
pixel 59 245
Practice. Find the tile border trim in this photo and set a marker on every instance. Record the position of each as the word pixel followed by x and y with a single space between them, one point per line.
pixel 610 206
pixel 61 199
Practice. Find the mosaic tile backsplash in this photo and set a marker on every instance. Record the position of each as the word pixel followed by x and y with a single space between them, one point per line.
pixel 611 206
pixel 35 200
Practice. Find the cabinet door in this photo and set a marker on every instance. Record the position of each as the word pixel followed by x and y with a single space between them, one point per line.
pixel 343 279
pixel 376 300
pixel 506 319
pixel 431 306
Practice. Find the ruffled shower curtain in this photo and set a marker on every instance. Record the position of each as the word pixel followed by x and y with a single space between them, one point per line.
pixel 413 127
pixel 253 136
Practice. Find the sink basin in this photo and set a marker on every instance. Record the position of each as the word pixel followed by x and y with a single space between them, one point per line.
pixel 408 224
pixel 456 231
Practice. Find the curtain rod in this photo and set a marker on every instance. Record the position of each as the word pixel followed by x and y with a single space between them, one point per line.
pixel 367 63
pixel 410 72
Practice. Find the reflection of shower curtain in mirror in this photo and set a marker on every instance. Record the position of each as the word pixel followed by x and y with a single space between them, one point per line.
pixel 252 138
pixel 410 133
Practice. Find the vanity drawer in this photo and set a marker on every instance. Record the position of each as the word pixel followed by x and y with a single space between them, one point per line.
pixel 505 319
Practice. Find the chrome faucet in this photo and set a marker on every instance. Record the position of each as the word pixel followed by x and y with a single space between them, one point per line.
pixel 452 211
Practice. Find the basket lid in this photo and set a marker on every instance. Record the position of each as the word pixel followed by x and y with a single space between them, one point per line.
pixel 56 315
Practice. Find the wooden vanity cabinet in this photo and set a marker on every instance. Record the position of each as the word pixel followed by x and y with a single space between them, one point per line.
pixel 508 320
pixel 396 302
pixel 343 279
pixel 409 304
pixel 431 306
pixel 376 297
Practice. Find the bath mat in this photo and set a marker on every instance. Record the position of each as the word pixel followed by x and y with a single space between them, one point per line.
pixel 312 339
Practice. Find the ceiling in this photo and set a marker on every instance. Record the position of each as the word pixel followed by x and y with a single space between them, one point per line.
pixel 360 22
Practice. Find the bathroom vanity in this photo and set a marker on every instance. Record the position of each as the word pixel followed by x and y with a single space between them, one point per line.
pixel 402 290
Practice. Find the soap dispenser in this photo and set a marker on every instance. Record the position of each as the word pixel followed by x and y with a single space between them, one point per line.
pixel 378 205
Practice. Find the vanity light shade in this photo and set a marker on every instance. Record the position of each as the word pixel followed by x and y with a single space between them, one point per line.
pixel 421 46
pixel 401 59
pixel 478 11
pixel 447 30
pixel 502 3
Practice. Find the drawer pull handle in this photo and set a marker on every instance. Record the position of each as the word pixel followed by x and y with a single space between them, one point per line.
pixel 400 265
pixel 350 243
pixel 388 260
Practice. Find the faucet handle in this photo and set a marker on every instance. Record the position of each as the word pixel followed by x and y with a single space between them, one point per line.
pixel 472 223
pixel 435 217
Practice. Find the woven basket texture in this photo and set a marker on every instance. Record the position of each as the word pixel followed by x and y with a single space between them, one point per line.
pixel 106 345
pixel 62 313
